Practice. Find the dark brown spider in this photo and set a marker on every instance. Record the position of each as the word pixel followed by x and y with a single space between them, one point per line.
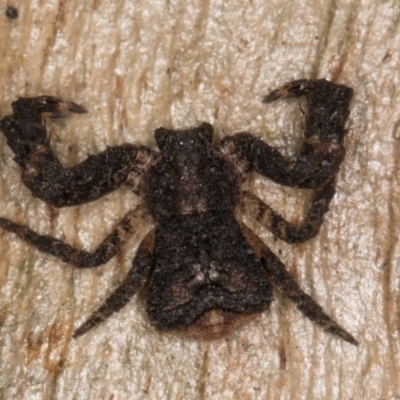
pixel 206 273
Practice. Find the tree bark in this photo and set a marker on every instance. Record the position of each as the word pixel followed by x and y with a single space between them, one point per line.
pixel 138 65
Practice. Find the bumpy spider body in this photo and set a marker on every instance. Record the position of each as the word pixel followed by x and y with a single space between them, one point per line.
pixel 206 272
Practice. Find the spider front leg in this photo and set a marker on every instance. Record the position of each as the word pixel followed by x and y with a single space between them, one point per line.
pixel 322 151
pixel 43 173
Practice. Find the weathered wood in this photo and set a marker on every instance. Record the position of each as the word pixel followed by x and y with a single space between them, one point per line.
pixel 138 65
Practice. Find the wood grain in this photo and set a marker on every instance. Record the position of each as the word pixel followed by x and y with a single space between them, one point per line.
pixel 137 65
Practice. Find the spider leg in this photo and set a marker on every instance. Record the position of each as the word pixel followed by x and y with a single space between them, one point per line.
pixel 135 279
pixel 299 87
pixel 42 172
pixel 322 151
pixel 282 280
pixel 108 248
pixel 283 229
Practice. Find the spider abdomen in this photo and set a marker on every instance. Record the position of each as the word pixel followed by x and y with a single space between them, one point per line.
pixel 203 263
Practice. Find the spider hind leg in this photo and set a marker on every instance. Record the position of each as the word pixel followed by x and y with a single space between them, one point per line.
pixel 282 280
pixel 132 283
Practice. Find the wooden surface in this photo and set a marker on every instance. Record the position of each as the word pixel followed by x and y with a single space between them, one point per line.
pixel 138 65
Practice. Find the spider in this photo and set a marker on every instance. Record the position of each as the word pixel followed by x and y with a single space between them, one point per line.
pixel 205 272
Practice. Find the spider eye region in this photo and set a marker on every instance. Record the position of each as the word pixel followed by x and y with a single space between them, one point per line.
pixel 172 141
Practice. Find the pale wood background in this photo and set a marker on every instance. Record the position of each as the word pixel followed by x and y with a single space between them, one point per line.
pixel 137 65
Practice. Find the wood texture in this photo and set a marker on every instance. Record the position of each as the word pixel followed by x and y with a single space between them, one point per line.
pixel 137 65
